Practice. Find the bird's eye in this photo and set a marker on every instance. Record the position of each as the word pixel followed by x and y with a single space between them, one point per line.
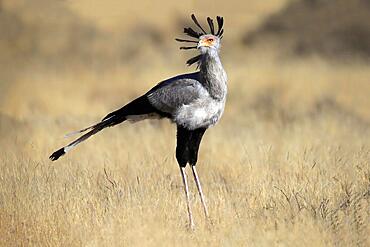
pixel 210 39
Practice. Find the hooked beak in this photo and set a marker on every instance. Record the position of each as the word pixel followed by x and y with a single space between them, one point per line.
pixel 202 43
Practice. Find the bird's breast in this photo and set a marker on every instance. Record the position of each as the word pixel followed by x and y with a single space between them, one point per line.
pixel 200 114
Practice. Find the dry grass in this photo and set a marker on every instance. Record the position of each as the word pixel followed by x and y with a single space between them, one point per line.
pixel 288 165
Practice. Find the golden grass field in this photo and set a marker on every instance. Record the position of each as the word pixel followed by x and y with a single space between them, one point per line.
pixel 288 165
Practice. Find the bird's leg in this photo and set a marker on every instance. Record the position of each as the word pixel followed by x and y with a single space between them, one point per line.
pixel 182 156
pixel 183 175
pixel 197 182
pixel 196 138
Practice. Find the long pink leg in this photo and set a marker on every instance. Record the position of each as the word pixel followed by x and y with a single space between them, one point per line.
pixel 200 190
pixel 183 175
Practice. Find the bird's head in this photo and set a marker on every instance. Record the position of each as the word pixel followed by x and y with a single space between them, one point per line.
pixel 205 42
pixel 208 41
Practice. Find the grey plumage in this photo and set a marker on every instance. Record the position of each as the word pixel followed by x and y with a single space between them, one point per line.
pixel 194 102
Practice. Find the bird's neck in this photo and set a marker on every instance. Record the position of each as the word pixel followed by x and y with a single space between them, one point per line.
pixel 213 75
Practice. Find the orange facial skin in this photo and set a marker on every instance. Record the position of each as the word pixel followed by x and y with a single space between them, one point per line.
pixel 207 42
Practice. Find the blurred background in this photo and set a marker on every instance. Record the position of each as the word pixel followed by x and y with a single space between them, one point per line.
pixel 62 58
pixel 297 118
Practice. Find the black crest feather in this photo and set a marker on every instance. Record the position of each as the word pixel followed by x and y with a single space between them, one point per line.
pixel 186 40
pixel 189 31
pixel 211 26
pixel 197 23
pixel 194 34
pixel 220 23
pixel 188 47
pixel 193 60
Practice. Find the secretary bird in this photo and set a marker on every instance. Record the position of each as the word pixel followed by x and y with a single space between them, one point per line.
pixel 194 102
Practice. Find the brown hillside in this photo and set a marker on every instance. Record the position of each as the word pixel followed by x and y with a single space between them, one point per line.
pixel 337 28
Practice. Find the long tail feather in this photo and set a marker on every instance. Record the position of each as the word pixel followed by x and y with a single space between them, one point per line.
pixel 85 129
pixel 79 131
pixel 140 106
pixel 94 129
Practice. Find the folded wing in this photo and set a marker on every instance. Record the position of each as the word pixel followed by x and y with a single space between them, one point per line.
pixel 168 96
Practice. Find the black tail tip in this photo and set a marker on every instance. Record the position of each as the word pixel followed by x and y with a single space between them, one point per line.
pixel 57 154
